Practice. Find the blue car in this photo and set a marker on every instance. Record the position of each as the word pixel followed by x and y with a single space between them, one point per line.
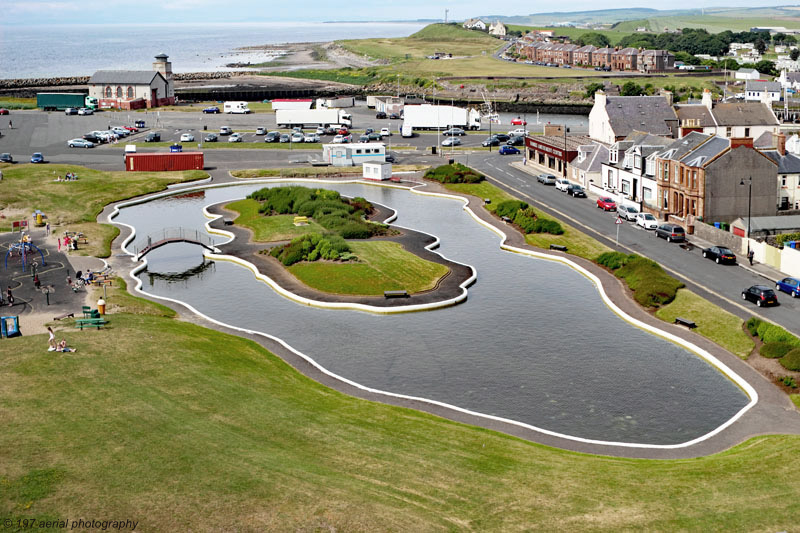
pixel 37 158
pixel 790 285
pixel 176 148
pixel 507 150
pixel 212 109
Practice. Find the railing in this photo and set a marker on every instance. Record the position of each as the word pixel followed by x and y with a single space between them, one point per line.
pixel 166 235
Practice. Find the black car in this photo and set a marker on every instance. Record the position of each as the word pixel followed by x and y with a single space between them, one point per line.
pixel 272 137
pixel 368 131
pixel 211 138
pixel 761 295
pixel 491 141
pixel 394 116
pixel 575 190
pixel 92 138
pixel 6 158
pixel 152 137
pixel 380 114
pixel 390 158
pixel 671 232
pixel 720 254
pixel 502 137
pixel 516 140
pixel 375 136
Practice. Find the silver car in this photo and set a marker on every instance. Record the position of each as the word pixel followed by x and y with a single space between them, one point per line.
pixel 547 179
pixel 627 212
pixel 80 143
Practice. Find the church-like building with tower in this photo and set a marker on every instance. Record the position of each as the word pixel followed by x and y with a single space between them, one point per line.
pixel 134 89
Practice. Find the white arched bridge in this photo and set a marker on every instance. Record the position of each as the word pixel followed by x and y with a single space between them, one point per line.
pixel 170 235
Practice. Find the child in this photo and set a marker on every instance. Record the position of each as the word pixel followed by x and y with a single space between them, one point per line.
pixel 62 347
pixel 52 339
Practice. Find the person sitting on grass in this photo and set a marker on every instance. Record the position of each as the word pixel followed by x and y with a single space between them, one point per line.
pixel 62 347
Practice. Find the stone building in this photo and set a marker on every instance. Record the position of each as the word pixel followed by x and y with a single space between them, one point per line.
pixel 134 89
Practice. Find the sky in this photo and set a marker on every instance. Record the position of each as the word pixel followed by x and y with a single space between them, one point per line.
pixel 31 12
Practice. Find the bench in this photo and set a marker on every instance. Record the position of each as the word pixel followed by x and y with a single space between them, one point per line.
pixel 65 315
pixel 558 247
pixel 685 322
pixel 395 294
pixel 90 323
pixel 506 220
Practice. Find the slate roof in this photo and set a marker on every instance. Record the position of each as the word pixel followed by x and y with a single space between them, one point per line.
pixel 587 48
pixel 627 52
pixel 596 155
pixel 680 147
pixel 747 70
pixel 765 140
pixel 697 112
pixel 787 164
pixel 744 114
pixel 642 113
pixel 793 77
pixel 701 155
pixel 761 86
pixel 124 77
pixel 773 223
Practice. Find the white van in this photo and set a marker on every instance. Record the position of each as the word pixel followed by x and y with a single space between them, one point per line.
pixel 236 107
pixel 407 131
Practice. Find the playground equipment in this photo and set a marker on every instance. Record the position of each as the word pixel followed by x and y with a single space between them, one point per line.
pixel 9 327
pixel 24 248
pixel 39 218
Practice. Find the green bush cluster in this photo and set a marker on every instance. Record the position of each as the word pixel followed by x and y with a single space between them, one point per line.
pixel 778 343
pixel 791 361
pixel 775 350
pixel 525 217
pixel 752 325
pixel 613 260
pixel 789 381
pixel 455 173
pixel 783 237
pixel 770 333
pixel 651 285
pixel 328 208
pixel 311 247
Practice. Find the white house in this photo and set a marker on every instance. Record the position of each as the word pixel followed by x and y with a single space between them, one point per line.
pixel 134 89
pixel 475 24
pixel 586 168
pixel 613 118
pixel 757 91
pixel 498 29
pixel 726 119
pixel 789 80
pixel 350 155
pixel 747 74
pixel 630 169
pixel 377 171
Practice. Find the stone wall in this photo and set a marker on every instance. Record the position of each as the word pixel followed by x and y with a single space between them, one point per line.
pixel 719 237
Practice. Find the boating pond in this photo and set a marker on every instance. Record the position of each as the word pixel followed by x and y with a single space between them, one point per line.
pixel 534 342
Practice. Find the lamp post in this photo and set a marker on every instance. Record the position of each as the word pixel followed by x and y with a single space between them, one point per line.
pixel 749 206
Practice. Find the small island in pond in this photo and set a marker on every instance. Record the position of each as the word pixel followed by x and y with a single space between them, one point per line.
pixel 328 243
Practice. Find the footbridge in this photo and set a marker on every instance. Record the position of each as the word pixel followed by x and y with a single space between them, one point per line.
pixel 171 235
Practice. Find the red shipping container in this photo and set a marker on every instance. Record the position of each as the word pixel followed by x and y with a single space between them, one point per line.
pixel 160 161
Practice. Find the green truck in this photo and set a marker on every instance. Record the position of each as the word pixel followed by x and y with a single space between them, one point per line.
pixel 61 101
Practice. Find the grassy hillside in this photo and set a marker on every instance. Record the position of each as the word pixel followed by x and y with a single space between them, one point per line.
pixel 444 32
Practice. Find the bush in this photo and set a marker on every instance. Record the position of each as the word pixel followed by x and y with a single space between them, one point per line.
pixel 613 260
pixel 775 350
pixel 650 284
pixel 769 332
pixel 789 381
pixel 311 247
pixel 455 173
pixel 752 325
pixel 509 208
pixel 791 361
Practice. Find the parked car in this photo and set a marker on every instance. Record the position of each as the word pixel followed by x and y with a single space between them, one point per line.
pixel 546 179
pixel 212 109
pixel 321 130
pixel 132 129
pixel 394 116
pixel 375 136
pixel 284 138
pixel 235 138
pixel 338 139
pixel 211 138
pixel 790 285
pixel 273 136
pixel 502 137
pixel 627 212
pixel 298 137
pixel 516 140
pixel 606 204
pixel 80 143
pixel 390 158
pixel 85 111
pixel 261 131
pixel 719 254
pixel 37 157
pixel 761 295
pixel 152 137
pixel 454 131
pixel 451 141
pixel 518 122
pixel 576 191
pixel 517 132
pixel 646 220
pixel 311 138
pixel 386 132
pixel 91 137
pixel 562 184
pixel 121 132
pixel 225 130
pixel 71 111
pixel 342 131
pixel 368 131
pixel 380 114
pixel 176 148
pixel 491 141
pixel 187 138
pixel 330 130
pixel 3 111
pixel 508 150
pixel 364 138
pixel 6 158
pixel 671 232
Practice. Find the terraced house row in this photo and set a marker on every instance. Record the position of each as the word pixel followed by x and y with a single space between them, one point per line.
pixel 591 56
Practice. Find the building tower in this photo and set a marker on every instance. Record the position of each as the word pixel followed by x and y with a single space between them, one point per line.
pixel 165 68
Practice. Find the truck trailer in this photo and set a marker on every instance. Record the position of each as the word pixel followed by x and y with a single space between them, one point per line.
pixel 163 161
pixel 433 117
pixel 289 118
pixel 61 101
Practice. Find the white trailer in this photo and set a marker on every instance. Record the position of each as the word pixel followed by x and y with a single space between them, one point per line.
pixel 371 100
pixel 341 101
pixel 432 117
pixel 289 118
pixel 389 104
pixel 236 107
pixel 349 155
pixel 291 103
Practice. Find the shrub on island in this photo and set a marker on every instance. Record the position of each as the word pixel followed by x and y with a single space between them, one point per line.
pixel 311 247
pixel 455 173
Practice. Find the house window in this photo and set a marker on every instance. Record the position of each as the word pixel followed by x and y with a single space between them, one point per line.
pixel 666 200
pixel 647 193
pixel 747 132
pixel 728 132
pixel 679 175
pixel 694 207
pixel 119 92
pixel 783 181
pixel 130 92
pixel 625 187
pixel 665 170
pixel 694 179
pixel 108 92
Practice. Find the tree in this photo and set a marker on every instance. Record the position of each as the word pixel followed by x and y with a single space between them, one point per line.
pixel 593 88
pixel 631 89
pixel 766 67
pixel 729 64
pixel 594 38
pixel 779 38
pixel 794 54
pixel 790 39
pixel 687 58
pixel 761 46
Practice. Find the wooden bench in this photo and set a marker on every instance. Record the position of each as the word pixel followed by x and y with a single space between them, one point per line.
pixel 395 294
pixel 65 315
pixel 90 323
pixel 685 322
pixel 506 220
pixel 559 247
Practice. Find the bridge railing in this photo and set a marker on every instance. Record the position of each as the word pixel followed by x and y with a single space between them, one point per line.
pixel 143 244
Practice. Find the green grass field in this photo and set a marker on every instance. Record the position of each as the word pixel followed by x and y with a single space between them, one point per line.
pixel 269 228
pixel 382 266
pixel 215 433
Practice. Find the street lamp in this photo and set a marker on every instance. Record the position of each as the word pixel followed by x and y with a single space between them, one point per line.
pixel 749 206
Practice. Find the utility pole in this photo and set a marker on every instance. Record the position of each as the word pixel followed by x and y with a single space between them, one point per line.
pixel 445 15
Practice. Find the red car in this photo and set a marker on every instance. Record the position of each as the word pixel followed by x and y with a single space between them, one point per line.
pixel 131 129
pixel 606 203
pixel 342 131
pixel 3 111
pixel 518 122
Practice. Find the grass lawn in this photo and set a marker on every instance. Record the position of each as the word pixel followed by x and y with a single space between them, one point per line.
pixel 99 237
pixel 382 266
pixel 17 103
pixel 118 300
pixel 269 228
pixel 796 399
pixel 482 190
pixel 712 322
pixel 216 433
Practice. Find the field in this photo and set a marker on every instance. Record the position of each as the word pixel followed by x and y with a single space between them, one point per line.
pixel 712 23
pixel 272 228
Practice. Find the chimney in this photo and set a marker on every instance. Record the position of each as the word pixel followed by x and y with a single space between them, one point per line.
pixel 780 139
pixel 668 95
pixel 736 142
pixel 600 98
pixel 707 100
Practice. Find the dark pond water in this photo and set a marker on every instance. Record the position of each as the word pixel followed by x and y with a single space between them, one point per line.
pixel 533 343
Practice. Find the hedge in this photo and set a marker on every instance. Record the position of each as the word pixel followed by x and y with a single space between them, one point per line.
pixel 791 361
pixel 311 247
pixel 455 173
pixel 775 350
pixel 769 332
pixel 752 325
pixel 651 285
pixel 613 260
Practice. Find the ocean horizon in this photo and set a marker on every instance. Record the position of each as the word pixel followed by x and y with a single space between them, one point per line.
pixel 51 50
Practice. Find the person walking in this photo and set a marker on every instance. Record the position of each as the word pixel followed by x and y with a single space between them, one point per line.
pixel 59 244
pixel 9 296
pixel 10 126
pixel 47 229
pixel 52 339
pixel 750 255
